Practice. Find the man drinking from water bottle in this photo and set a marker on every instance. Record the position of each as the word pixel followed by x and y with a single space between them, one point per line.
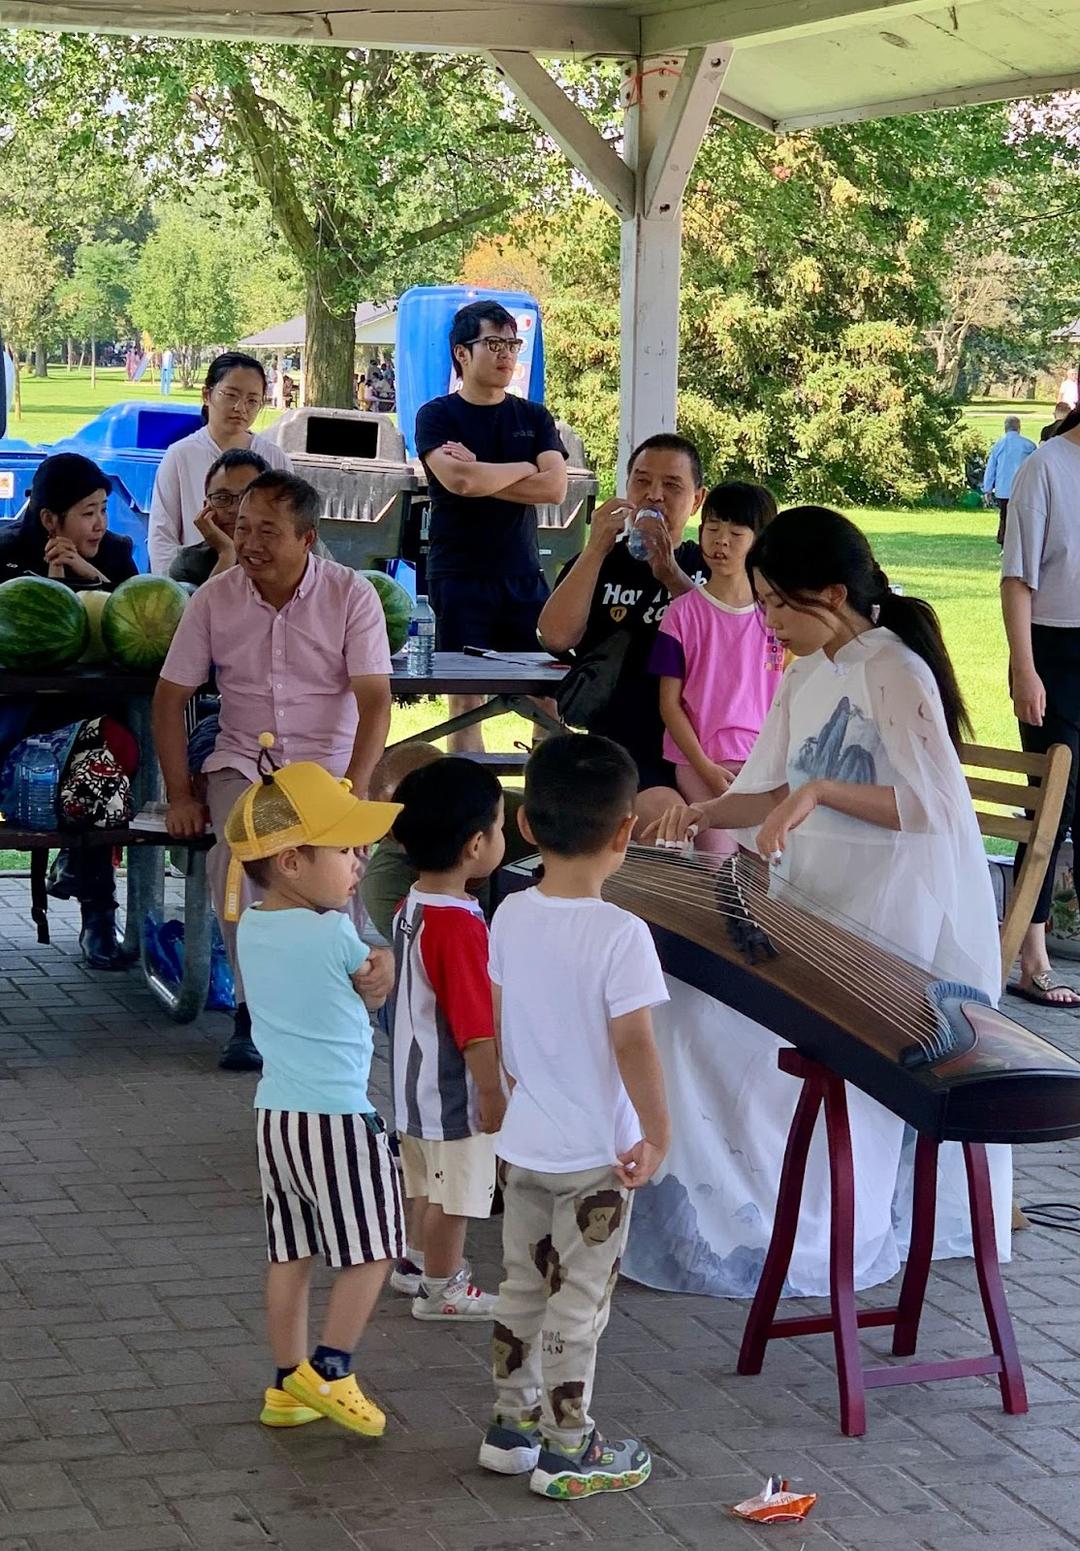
pixel 491 458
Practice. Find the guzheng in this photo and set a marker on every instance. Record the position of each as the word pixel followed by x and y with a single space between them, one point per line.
pixel 934 1052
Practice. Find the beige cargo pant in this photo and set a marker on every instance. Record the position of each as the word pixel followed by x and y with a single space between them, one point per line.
pixel 563 1237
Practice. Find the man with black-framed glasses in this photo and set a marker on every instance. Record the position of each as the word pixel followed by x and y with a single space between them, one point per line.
pixel 491 458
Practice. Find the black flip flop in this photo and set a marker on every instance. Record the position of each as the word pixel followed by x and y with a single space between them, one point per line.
pixel 1041 994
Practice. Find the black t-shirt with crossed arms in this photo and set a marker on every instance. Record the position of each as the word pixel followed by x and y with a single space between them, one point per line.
pixel 483 535
pixel 627 596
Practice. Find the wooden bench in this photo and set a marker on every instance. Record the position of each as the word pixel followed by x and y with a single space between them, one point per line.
pixel 1040 798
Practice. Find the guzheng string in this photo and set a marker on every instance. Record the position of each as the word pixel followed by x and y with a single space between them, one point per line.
pixel 845 959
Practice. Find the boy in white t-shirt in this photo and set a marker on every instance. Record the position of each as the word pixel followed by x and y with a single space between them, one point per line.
pixel 574 979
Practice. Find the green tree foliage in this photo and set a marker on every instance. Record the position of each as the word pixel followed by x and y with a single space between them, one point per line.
pixel 29 275
pixel 181 291
pixel 95 302
pixel 376 167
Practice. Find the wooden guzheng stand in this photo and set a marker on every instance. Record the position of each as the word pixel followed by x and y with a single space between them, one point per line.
pixel 935 1053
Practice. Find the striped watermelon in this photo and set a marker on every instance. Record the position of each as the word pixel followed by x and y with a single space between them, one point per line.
pixel 397 606
pixel 139 620
pixel 43 624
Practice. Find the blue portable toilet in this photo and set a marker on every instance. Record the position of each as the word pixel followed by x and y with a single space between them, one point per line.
pixel 128 441
pixel 422 366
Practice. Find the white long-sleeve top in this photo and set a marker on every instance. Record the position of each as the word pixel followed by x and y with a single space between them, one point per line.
pixel 179 492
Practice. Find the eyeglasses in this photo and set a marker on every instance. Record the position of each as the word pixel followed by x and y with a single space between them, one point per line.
pixel 500 347
pixel 221 500
pixel 237 400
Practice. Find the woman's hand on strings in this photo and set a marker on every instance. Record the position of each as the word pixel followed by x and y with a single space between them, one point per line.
pixel 788 814
pixel 676 825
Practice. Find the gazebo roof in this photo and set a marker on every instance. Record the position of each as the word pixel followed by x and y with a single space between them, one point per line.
pixel 797 63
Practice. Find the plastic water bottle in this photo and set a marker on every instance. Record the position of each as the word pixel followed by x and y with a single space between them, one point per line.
pixel 36 781
pixel 420 647
pixel 635 537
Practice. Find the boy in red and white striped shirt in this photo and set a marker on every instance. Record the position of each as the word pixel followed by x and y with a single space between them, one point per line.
pixel 448 1095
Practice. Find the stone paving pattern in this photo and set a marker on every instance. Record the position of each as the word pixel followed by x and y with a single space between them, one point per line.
pixel 132 1359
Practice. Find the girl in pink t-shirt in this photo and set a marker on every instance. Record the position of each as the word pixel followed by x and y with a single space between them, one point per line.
pixel 719 667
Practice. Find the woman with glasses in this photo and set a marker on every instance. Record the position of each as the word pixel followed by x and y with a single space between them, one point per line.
pixel 233 394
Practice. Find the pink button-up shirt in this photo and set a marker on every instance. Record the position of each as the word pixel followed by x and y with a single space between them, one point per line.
pixel 284 671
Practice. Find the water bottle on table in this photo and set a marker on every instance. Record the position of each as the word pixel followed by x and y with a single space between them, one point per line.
pixel 420 647
pixel 636 530
pixel 36 782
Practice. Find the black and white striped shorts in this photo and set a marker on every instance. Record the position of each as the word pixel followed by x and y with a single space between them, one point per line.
pixel 330 1187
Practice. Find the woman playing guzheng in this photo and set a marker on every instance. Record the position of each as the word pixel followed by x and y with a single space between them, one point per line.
pixel 857 797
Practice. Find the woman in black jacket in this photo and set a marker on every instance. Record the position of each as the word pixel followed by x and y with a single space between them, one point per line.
pixel 62 534
pixel 63 531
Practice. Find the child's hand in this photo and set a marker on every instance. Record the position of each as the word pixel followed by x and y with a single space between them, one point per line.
pixel 374 980
pixel 717 778
pixel 490 1109
pixel 636 1167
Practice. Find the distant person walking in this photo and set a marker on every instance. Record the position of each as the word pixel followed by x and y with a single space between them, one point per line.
pixel 1040 599
pixel 1006 457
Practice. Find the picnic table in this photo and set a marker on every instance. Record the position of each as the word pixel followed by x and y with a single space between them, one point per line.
pixel 507 680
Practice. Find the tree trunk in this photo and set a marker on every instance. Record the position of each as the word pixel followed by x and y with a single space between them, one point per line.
pixel 41 360
pixel 17 404
pixel 70 354
pixel 93 363
pixel 330 349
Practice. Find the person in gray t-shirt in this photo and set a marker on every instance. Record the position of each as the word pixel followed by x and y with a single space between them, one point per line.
pixel 1040 599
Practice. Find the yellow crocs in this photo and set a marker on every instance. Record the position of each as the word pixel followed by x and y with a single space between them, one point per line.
pixel 281 1410
pixel 342 1400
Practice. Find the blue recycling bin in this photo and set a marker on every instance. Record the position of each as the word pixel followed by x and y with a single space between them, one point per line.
pixel 18 464
pixel 422 366
pixel 128 441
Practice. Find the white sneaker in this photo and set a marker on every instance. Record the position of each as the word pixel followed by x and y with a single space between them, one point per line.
pixel 456 1299
pixel 407 1276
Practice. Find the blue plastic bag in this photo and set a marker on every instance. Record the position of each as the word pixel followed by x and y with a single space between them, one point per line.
pixel 165 952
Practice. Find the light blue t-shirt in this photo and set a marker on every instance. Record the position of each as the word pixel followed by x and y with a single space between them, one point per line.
pixel 310 1027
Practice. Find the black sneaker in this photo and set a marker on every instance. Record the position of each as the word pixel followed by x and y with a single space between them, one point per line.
pixel 598 1466
pixel 240 1054
pixel 509 1448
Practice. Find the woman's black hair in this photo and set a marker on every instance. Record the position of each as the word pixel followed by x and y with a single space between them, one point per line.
pixel 741 503
pixel 230 361
pixel 809 548
pixel 236 458
pixel 61 482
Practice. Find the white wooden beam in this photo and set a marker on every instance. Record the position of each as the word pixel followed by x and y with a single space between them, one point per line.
pixel 553 30
pixel 748 115
pixel 749 22
pixel 690 107
pixel 964 96
pixel 576 137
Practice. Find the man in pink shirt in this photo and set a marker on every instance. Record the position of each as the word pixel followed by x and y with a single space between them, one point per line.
pixel 300 650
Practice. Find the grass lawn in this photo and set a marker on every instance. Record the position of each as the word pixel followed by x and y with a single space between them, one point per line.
pixel 987 416
pixel 58 405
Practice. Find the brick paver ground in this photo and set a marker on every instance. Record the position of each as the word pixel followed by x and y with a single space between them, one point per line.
pixel 131 1357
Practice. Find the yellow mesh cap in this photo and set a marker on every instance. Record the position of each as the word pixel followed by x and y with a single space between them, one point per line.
pixel 301 804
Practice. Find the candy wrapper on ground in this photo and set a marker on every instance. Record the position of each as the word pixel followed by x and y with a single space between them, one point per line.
pixel 776 1503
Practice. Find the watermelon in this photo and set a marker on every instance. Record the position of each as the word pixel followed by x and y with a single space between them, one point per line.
pixel 94 601
pixel 139 620
pixel 42 624
pixel 397 606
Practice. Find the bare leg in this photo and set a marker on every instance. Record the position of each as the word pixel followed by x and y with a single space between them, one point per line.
pixel 415 1213
pixel 288 1284
pixel 444 1243
pixel 1035 960
pixel 471 741
pixel 652 804
pixel 353 1298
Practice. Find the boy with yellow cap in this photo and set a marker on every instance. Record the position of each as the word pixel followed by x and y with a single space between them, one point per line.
pixel 329 1183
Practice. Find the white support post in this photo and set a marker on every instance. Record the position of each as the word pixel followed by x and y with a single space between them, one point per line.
pixel 650 267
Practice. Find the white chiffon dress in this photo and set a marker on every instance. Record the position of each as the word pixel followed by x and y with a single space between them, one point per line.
pixel 871 715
